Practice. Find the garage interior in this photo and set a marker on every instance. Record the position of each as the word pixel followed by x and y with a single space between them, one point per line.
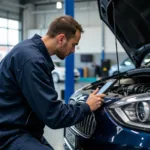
pixel 21 19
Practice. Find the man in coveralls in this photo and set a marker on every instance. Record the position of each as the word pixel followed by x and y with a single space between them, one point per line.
pixel 28 100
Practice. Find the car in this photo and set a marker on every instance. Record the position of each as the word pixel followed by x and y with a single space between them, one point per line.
pixel 58 73
pixel 123 121
pixel 125 65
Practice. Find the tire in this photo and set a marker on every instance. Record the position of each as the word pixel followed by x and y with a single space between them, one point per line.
pixel 55 77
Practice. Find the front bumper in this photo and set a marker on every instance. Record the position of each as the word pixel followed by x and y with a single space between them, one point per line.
pixel 108 136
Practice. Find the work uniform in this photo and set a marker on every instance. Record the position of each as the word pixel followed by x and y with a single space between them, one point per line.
pixel 28 100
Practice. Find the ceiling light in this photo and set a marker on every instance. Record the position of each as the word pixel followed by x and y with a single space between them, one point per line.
pixel 59 5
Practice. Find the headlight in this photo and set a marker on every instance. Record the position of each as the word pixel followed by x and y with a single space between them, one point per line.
pixel 143 111
pixel 133 111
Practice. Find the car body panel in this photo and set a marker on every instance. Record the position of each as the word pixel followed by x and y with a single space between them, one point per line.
pixel 123 67
pixel 60 72
pixel 123 121
pixel 111 135
pixel 126 65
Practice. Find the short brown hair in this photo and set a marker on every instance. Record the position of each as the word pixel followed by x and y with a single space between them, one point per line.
pixel 66 25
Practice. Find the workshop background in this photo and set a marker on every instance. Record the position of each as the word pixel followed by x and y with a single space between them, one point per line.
pixel 21 19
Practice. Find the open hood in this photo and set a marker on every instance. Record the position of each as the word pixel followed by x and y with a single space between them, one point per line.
pixel 130 21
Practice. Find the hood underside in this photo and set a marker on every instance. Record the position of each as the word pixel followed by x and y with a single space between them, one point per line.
pixel 129 20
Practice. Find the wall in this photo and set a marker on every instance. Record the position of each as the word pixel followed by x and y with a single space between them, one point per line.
pixel 87 14
pixel 90 43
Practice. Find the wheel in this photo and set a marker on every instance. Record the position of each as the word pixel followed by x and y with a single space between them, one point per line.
pixel 55 77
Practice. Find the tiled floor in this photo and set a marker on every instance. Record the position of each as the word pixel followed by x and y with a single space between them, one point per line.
pixel 55 137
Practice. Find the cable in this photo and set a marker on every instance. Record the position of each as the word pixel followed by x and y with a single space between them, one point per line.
pixel 114 19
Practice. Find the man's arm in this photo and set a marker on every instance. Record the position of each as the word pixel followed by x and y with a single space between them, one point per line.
pixel 34 81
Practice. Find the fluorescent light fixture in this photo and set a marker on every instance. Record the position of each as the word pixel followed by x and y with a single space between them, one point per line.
pixel 59 5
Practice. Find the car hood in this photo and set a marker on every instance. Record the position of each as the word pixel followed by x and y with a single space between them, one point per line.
pixel 62 69
pixel 129 20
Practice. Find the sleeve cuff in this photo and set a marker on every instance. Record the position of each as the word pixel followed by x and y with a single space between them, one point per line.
pixel 86 108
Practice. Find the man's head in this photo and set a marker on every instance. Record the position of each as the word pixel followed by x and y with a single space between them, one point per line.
pixel 65 33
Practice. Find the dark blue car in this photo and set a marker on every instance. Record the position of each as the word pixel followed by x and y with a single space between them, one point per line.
pixel 123 122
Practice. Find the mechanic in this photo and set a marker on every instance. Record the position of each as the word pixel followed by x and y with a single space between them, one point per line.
pixel 28 99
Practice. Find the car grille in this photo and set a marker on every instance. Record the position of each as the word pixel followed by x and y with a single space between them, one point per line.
pixel 86 127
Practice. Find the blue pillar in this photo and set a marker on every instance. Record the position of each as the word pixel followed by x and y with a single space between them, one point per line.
pixel 103 43
pixel 69 63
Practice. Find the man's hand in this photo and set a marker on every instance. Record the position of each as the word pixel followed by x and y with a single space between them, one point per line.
pixel 95 101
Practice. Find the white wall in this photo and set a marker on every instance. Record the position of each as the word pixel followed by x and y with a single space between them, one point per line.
pixel 90 40
pixel 110 42
pixel 86 13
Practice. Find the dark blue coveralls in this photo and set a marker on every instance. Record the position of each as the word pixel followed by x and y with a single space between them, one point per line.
pixel 28 100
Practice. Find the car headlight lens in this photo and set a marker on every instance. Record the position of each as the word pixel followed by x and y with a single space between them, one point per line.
pixel 143 111
pixel 133 111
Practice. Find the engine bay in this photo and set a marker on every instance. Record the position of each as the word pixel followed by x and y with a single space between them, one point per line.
pixel 127 85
